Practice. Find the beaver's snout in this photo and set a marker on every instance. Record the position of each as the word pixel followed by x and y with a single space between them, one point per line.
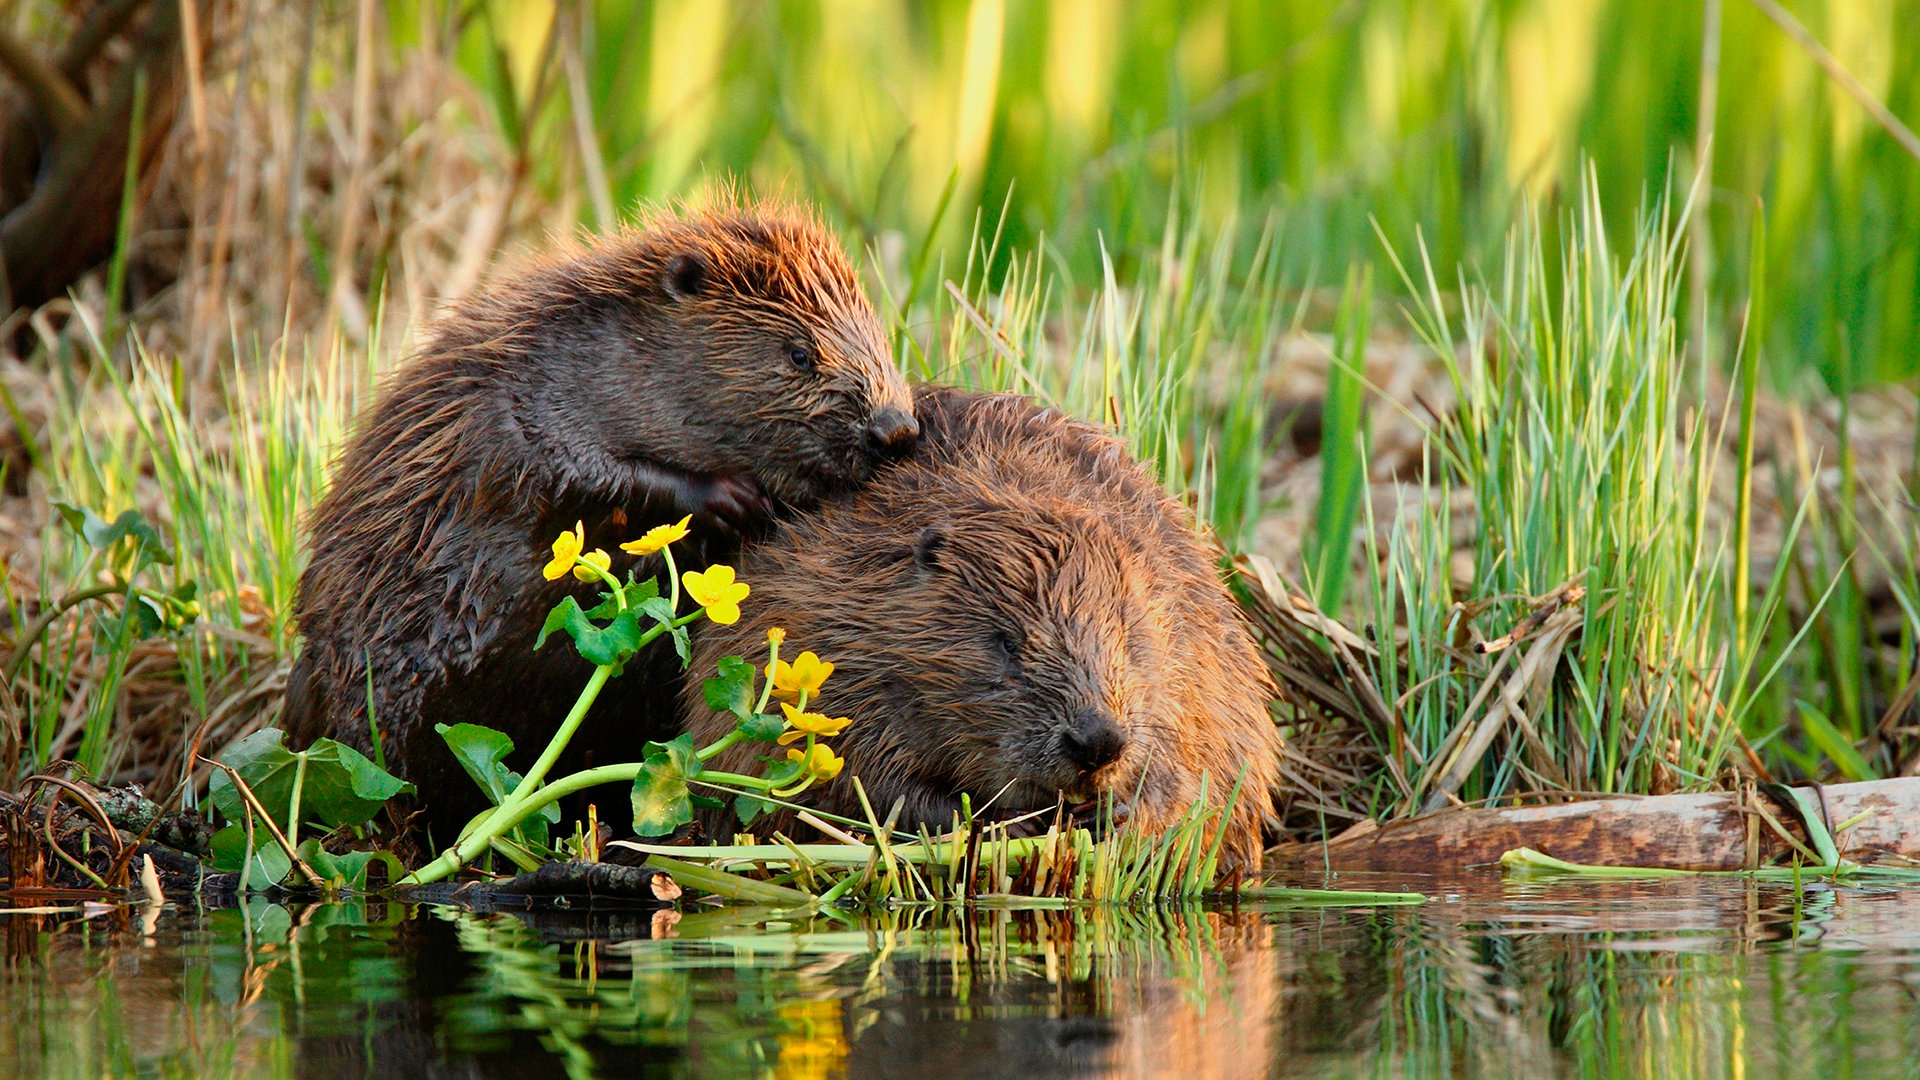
pixel 891 433
pixel 1093 741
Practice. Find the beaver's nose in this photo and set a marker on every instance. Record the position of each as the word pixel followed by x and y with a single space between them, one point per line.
pixel 891 433
pixel 1093 740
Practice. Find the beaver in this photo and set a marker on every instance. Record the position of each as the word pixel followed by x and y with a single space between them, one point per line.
pixel 1018 612
pixel 722 363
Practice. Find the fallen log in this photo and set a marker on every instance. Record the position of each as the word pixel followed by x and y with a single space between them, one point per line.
pixel 1711 831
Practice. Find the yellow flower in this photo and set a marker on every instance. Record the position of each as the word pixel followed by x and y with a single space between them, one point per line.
pixel 807 672
pixel 802 724
pixel 819 763
pixel 776 637
pixel 596 557
pixel 811 1044
pixel 657 537
pixel 716 591
pixel 566 547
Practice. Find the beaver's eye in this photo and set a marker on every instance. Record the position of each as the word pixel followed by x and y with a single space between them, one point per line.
pixel 801 357
pixel 1007 644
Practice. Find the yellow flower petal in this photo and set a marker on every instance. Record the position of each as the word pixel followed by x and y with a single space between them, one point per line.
pixel 566 547
pixel 596 557
pixel 812 723
pixel 807 672
pixel 715 590
pixel 820 763
pixel 658 537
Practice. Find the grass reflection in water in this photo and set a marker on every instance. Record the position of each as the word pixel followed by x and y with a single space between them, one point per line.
pixel 1671 978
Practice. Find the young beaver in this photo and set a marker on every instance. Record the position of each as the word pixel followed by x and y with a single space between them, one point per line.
pixel 711 363
pixel 1018 612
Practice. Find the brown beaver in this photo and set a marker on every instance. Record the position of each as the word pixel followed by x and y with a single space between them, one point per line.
pixel 1018 612
pixel 715 363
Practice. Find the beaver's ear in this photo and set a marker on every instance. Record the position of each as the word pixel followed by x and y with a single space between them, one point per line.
pixel 927 548
pixel 686 275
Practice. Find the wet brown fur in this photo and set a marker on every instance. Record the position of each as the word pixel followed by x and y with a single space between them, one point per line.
pixel 1009 520
pixel 568 393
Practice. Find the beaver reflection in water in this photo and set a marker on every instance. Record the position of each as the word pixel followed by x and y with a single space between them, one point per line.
pixel 1016 611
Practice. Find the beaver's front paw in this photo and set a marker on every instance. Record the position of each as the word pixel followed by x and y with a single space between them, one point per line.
pixel 729 509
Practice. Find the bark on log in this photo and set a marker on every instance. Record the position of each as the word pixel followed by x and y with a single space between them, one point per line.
pixel 1716 831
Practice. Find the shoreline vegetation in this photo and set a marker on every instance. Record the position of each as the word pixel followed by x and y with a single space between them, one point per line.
pixel 1570 487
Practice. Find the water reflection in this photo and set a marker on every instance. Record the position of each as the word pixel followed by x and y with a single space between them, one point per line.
pixel 1678 978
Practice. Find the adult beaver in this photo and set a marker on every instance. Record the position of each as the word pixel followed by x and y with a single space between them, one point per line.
pixel 713 363
pixel 1018 612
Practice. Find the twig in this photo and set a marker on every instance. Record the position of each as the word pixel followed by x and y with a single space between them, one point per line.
pixel 247 793
pixel 1784 19
pixel 1566 595
pixel 94 811
pixel 1538 662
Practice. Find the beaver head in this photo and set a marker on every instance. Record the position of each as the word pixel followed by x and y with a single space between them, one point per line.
pixel 1017 612
pixel 725 342
pixel 1021 654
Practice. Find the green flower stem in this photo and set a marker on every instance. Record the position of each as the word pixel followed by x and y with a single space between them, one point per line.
pixel 766 688
pixel 626 772
pixel 619 592
pixel 806 781
pixel 512 813
pixel 806 773
pixel 530 795
pixel 293 801
pixel 559 741
pixel 720 744
pixel 715 776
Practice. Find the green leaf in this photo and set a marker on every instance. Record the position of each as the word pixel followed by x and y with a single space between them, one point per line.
pixel 611 646
pixel 658 609
pixel 349 869
pixel 660 797
pixel 270 864
pixel 340 787
pixel 149 616
pixel 748 807
pixel 636 592
pixel 731 691
pixel 762 727
pixel 255 756
pixel 781 772
pixel 556 620
pixel 100 535
pixel 481 751
pixel 680 751
pixel 1837 747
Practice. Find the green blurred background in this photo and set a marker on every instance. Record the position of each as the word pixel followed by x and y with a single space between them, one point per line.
pixel 1090 121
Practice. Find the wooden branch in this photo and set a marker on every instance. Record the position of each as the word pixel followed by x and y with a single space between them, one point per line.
pixel 1687 832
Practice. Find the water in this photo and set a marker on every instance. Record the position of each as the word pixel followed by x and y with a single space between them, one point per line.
pixel 1687 978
